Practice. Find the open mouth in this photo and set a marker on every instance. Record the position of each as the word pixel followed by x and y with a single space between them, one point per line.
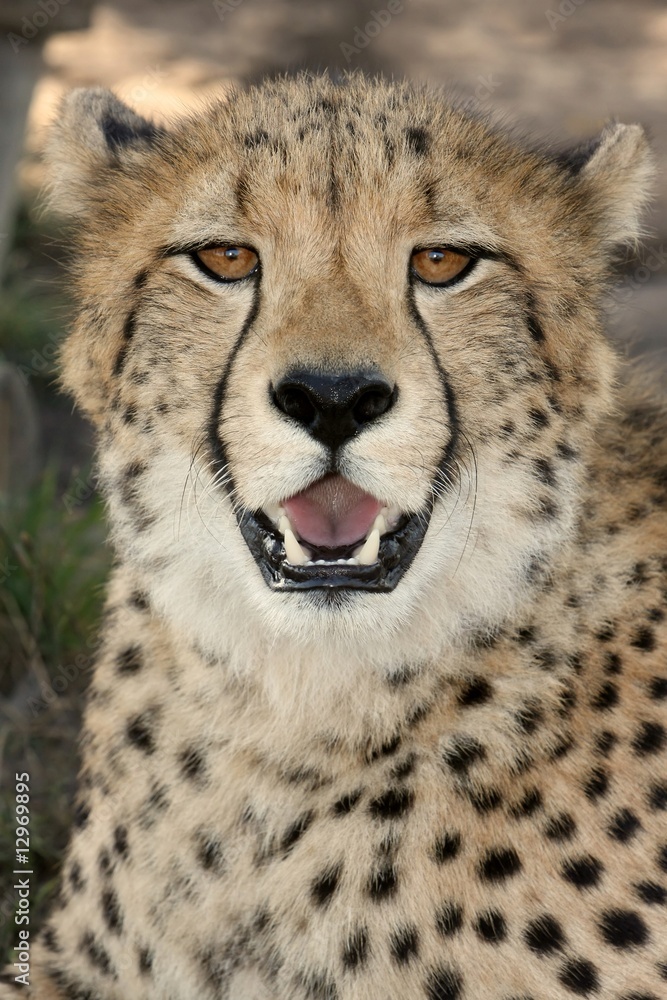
pixel 333 535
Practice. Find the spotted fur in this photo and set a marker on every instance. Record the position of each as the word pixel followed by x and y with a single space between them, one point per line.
pixel 455 791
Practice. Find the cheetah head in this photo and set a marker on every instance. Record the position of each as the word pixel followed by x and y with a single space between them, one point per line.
pixel 342 346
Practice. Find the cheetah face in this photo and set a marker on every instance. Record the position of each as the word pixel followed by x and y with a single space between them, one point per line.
pixel 342 344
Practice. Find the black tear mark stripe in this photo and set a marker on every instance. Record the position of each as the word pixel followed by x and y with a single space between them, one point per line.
pixel 445 469
pixel 130 325
pixel 532 322
pixel 215 442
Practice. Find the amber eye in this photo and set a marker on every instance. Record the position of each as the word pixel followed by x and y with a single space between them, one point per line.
pixel 230 263
pixel 439 266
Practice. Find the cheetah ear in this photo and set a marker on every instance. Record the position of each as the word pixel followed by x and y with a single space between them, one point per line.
pixel 94 131
pixel 615 171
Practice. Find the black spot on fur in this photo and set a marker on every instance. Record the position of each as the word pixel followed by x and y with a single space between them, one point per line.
pixel 566 451
pixel 658 688
pixel 111 911
pixel 96 954
pixel 561 827
pixel 355 948
pixel 325 885
pixel 612 664
pixel 650 738
pixel 529 717
pixel 605 742
pixel 544 471
pixel 192 763
pixel 538 417
pixel 444 984
pixel 624 826
pixel 145 962
pixel 651 893
pixel 597 784
pixel 475 692
pixel 295 831
pixel 644 639
pixel 120 844
pixel 529 804
pixel 209 853
pixel 623 929
pixel 50 940
pixel 418 140
pixel 606 698
pixel 386 749
pixel 657 795
pixel 484 800
pixel 260 137
pixel 129 660
pixel 446 847
pixel 383 881
pixel 404 944
pixel 81 815
pixel 525 636
pixel 579 976
pixel 491 927
pixel 583 872
pixel 346 803
pixel 139 601
pixel 544 935
pixel 402 769
pixel 75 877
pixel 139 732
pixel 662 858
pixel 449 919
pixel 391 804
pixel 463 753
pixel 499 864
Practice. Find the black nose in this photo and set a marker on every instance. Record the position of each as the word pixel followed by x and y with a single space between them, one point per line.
pixel 333 408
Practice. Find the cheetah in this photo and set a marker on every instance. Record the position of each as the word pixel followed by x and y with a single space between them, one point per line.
pixel 379 707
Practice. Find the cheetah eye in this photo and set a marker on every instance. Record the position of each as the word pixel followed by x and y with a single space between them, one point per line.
pixel 439 265
pixel 228 263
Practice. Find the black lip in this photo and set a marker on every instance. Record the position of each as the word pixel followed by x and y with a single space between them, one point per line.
pixel 398 548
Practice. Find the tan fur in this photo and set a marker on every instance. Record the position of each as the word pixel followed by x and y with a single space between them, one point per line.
pixel 282 799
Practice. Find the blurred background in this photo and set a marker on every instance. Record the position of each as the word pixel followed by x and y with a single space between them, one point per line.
pixel 559 67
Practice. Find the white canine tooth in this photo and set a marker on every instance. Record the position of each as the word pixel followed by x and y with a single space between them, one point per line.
pixel 368 554
pixel 380 523
pixel 295 554
pixel 284 524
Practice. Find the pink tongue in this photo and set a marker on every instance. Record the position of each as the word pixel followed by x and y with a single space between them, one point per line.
pixel 332 512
